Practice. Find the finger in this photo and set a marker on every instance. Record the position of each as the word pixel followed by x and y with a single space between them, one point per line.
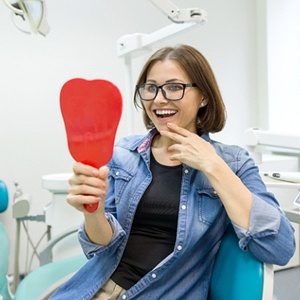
pixel 172 135
pixel 84 174
pixel 79 179
pixel 97 190
pixel 80 168
pixel 103 172
pixel 176 133
pixel 179 130
pixel 79 200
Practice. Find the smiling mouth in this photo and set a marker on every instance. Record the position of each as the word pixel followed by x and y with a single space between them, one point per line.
pixel 164 113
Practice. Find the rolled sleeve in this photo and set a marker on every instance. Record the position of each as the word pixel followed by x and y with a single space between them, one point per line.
pixel 264 221
pixel 90 248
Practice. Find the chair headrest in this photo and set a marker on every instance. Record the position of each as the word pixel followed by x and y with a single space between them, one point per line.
pixel 3 196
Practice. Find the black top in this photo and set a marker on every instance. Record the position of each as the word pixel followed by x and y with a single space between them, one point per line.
pixel 153 232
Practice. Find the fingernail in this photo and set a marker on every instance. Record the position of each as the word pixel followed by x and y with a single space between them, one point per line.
pixel 95 173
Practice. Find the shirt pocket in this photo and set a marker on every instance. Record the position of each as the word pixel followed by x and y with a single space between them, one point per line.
pixel 121 179
pixel 209 205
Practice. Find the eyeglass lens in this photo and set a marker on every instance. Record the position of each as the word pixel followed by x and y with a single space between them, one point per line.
pixel 171 91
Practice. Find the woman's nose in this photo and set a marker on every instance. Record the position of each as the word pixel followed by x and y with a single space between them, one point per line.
pixel 160 96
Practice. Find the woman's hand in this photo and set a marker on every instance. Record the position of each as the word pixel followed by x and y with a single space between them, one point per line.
pixel 195 152
pixel 88 185
pixel 190 149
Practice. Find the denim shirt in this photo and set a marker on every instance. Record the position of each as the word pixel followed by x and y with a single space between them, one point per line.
pixel 202 220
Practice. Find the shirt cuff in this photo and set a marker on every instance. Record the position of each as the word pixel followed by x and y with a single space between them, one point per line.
pixel 264 221
pixel 90 248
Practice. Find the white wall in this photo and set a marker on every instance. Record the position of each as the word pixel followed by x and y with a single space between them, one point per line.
pixel 283 48
pixel 82 43
pixel 278 35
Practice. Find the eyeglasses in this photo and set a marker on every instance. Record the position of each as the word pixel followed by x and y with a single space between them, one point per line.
pixel 171 91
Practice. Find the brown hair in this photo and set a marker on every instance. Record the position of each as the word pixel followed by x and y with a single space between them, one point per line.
pixel 213 115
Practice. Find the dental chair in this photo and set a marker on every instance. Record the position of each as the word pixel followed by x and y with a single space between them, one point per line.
pixel 41 282
pixel 3 196
pixel 237 274
pixel 4 258
pixel 4 246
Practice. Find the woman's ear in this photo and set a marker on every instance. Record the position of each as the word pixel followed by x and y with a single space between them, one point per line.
pixel 204 102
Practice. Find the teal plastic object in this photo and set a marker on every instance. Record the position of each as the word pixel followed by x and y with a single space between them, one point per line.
pixel 3 196
pixel 37 282
pixel 237 274
pixel 4 253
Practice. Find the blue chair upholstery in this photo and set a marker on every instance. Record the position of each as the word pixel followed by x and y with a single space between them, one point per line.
pixel 47 278
pixel 4 246
pixel 238 274
pixel 3 196
pixel 4 242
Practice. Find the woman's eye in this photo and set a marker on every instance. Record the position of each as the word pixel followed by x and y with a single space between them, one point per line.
pixel 151 88
pixel 174 87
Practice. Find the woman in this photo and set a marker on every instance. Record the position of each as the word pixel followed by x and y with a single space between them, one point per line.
pixel 166 199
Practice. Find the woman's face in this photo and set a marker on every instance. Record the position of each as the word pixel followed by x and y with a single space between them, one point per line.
pixel 181 112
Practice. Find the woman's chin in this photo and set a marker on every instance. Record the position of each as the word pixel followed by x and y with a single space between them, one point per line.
pixel 162 128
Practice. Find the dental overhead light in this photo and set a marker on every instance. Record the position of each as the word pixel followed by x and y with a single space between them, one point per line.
pixel 178 15
pixel 182 19
pixel 32 12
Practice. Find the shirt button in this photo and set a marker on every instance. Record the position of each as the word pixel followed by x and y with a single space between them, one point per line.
pixel 124 297
pixel 153 275
pixel 179 247
pixel 117 173
pixel 215 192
pixel 183 207
pixel 186 171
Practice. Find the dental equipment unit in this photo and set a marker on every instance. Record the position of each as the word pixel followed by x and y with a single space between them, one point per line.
pixel 32 12
pixel 20 211
pixel 280 143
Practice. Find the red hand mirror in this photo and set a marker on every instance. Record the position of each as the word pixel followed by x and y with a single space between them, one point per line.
pixel 91 111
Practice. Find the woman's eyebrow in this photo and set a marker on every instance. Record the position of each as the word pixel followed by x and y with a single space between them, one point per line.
pixel 167 81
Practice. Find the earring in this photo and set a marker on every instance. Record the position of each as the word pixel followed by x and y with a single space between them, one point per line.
pixel 198 121
pixel 202 104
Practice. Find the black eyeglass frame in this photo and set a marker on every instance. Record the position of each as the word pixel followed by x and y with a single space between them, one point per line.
pixel 184 85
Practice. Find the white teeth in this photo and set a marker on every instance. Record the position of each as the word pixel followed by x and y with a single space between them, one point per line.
pixel 165 112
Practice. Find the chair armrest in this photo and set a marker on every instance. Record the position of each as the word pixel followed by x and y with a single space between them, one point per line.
pixel 38 283
pixel 268 288
pixel 50 290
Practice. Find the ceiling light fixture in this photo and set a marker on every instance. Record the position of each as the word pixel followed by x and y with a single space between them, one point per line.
pixel 32 12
